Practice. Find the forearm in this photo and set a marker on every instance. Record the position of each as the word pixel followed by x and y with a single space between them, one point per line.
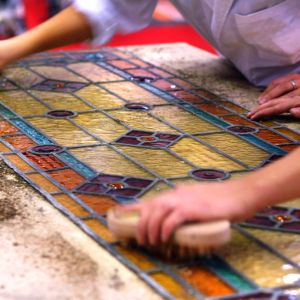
pixel 275 183
pixel 69 26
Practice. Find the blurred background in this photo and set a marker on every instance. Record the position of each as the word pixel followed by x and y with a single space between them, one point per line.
pixel 167 25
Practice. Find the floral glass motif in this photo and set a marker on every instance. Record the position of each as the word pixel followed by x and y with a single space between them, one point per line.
pixel 87 179
pixel 149 139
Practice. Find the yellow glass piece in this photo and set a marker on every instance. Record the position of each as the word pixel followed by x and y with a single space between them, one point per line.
pixel 140 120
pixel 3 148
pixel 63 132
pixel 258 264
pixel 103 159
pixel 43 182
pixel 101 126
pixel 183 119
pixel 237 148
pixel 99 97
pixel 293 203
pixel 155 190
pixel 101 230
pixel 286 243
pixel 290 133
pixel 203 156
pixel 174 288
pixel 184 181
pixel 137 258
pixel 61 101
pixel 94 72
pixel 71 205
pixel 57 73
pixel 157 160
pixel 22 103
pixel 22 77
pixel 19 163
pixel 133 93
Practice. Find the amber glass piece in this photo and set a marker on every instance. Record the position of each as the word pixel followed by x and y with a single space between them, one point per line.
pixel 272 137
pixel 283 218
pixel 58 73
pixel 234 107
pixel 4 149
pixel 206 282
pixel 133 93
pixel 255 262
pixel 43 182
pixel 63 131
pixel 136 257
pixel 203 156
pixel 290 133
pixel 101 126
pixel 20 142
pixel 122 64
pixel 141 120
pixel 58 101
pixel 172 286
pixel 116 185
pixel 99 97
pixel 213 109
pixel 94 73
pixel 67 178
pixel 6 128
pixel 187 96
pixel 19 163
pixel 183 119
pixel 165 85
pixel 101 230
pixel 23 77
pixel 157 160
pixel 237 120
pixel 103 159
pixel 289 148
pixel 237 148
pixel 100 204
pixel 71 205
pixel 45 162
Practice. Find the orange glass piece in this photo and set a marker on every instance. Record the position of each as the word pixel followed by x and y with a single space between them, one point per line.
pixel 237 120
pixel 67 178
pixel 45 162
pixel 101 230
pixel 71 205
pixel 20 142
pixel 289 148
pixel 60 85
pixel 43 182
pixel 3 148
pixel 234 107
pixel 19 163
pixel 148 138
pixel 206 282
pixel 283 218
pixel 272 137
pixel 213 109
pixel 116 185
pixel 290 133
pixel 7 128
pixel 100 204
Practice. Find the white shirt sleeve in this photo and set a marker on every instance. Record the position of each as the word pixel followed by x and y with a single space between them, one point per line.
pixel 108 17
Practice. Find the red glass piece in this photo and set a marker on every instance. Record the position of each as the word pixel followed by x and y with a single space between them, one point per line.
pixel 283 218
pixel 60 113
pixel 46 149
pixel 264 221
pixel 296 213
pixel 159 144
pixel 107 179
pixel 128 141
pixel 138 183
pixel 127 192
pixel 148 138
pixel 291 225
pixel 241 129
pixel 210 174
pixel 45 162
pixel 139 133
pixel 168 137
pixel 137 106
pixel 116 185
pixel 92 188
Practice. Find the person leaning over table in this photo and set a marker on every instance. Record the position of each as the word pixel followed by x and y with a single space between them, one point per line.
pixel 259 37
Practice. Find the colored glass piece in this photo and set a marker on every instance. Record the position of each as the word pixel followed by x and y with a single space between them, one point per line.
pixel 122 64
pixel 100 230
pixel 43 182
pixel 187 96
pixel 46 149
pixel 92 188
pixel 147 139
pixel 137 106
pixel 54 85
pixel 241 129
pixel 237 120
pixel 283 218
pixel 168 137
pixel 20 142
pixel 6 128
pixel 61 113
pixel 166 85
pixel 125 192
pixel 67 178
pixel 140 73
pixel 296 213
pixel 272 137
pixel 263 221
pixel 116 186
pixel 128 141
pixel 273 211
pixel 45 162
pixel 106 179
pixel 158 144
pixel 137 182
pixel 210 174
pixel 19 163
pixel 139 133
pixel 291 226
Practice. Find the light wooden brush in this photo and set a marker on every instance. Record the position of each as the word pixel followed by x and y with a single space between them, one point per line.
pixel 188 240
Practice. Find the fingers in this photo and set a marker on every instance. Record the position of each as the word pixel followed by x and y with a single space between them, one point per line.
pixel 279 87
pixel 295 112
pixel 170 224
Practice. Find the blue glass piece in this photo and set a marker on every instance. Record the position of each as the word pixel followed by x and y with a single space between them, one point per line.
pixel 263 144
pixel 77 165
pixel 6 112
pixel 224 271
pixel 30 131
pixel 94 56
pixel 159 93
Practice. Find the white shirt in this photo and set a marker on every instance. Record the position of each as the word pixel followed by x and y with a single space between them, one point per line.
pixel 260 37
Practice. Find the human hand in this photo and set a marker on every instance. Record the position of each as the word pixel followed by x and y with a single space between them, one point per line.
pixel 160 216
pixel 288 85
pixel 8 52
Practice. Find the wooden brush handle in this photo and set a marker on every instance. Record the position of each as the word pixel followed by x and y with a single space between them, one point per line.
pixel 210 234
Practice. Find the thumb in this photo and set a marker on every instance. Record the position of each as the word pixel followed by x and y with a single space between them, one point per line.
pixel 295 112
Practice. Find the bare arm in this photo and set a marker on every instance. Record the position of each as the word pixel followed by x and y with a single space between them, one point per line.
pixel 69 26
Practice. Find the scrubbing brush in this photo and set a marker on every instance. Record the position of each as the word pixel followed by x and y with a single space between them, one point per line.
pixel 188 240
